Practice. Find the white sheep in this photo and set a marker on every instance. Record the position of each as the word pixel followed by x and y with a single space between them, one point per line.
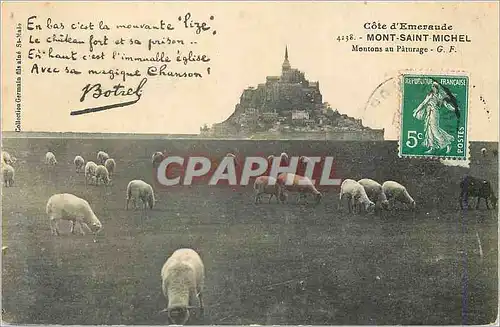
pixel 79 163
pixel 156 158
pixel 50 159
pixel 8 173
pixel 102 174
pixel 110 165
pixel 356 196
pixel 284 158
pixel 270 160
pixel 374 192
pixel 268 185
pixel 396 191
pixel 102 157
pixel 235 159
pixel 140 190
pixel 300 184
pixel 183 278
pixel 90 173
pixel 484 151
pixel 65 206
pixel 304 160
pixel 7 158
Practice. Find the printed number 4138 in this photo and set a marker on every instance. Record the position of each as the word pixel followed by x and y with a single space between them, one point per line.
pixel 346 38
pixel 413 138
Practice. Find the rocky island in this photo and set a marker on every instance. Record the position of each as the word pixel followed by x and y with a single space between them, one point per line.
pixel 289 107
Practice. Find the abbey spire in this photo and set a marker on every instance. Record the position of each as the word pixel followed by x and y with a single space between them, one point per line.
pixel 286 64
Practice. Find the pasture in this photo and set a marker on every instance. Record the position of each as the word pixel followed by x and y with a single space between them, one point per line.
pixel 266 263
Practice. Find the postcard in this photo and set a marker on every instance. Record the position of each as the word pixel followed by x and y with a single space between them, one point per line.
pixel 250 163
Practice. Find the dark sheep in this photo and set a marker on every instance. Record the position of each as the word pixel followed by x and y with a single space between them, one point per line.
pixel 476 187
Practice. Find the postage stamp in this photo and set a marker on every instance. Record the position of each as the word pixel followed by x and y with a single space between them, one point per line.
pixel 434 112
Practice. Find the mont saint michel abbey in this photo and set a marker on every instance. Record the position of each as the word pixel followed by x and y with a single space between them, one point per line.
pixel 289 106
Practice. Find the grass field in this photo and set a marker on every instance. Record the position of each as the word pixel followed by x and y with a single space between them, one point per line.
pixel 265 264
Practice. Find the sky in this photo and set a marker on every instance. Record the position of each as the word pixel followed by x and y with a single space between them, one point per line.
pixel 248 45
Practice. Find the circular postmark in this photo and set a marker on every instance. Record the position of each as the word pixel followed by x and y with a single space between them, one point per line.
pixel 382 109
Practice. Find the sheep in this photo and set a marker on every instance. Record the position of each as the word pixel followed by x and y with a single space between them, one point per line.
pixel 374 192
pixel 50 159
pixel 268 185
pixel 140 190
pixel 90 172
pixel 304 160
pixel 476 187
pixel 66 206
pixel 235 159
pixel 284 159
pixel 300 184
pixel 102 157
pixel 483 152
pixel 8 173
pixel 183 278
pixel 396 191
pixel 110 165
pixel 356 196
pixel 7 158
pixel 102 174
pixel 156 158
pixel 79 163
pixel 270 160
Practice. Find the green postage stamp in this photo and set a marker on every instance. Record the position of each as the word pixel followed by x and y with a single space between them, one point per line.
pixel 434 112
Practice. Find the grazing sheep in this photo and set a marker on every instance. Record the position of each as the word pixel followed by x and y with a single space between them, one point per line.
pixel 8 174
pixel 270 159
pixel 356 196
pixel 483 152
pixel 300 184
pixel 304 160
pixel 235 159
pixel 374 192
pixel 79 163
pixel 183 277
pixel 110 165
pixel 476 187
pixel 157 158
pixel 102 174
pixel 140 190
pixel 90 173
pixel 284 159
pixel 72 208
pixel 50 159
pixel 102 157
pixel 396 191
pixel 7 158
pixel 262 186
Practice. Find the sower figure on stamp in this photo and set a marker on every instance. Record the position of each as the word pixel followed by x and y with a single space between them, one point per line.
pixel 435 138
